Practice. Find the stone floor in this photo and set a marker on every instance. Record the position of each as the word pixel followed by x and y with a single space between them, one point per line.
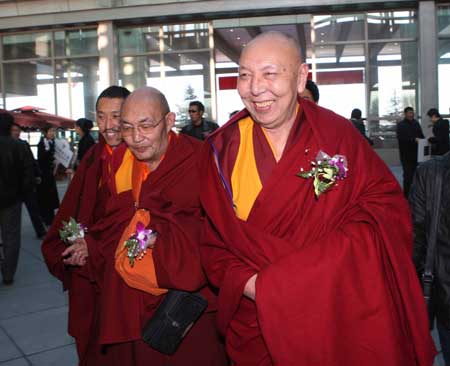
pixel 33 311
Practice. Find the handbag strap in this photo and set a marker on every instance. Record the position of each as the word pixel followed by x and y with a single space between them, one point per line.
pixel 427 277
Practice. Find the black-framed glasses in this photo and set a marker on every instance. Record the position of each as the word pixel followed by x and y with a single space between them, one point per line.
pixel 193 111
pixel 144 128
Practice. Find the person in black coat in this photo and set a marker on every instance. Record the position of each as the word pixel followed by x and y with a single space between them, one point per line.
pixel 47 192
pixel 424 204
pixel 30 197
pixel 83 127
pixel 440 143
pixel 408 134
pixel 16 178
pixel 358 122
pixel 199 128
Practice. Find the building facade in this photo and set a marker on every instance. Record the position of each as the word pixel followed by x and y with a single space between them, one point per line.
pixel 377 56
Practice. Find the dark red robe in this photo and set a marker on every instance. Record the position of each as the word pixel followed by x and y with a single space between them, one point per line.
pixel 171 194
pixel 336 285
pixel 85 201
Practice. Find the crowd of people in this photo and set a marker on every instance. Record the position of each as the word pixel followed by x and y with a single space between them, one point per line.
pixel 284 223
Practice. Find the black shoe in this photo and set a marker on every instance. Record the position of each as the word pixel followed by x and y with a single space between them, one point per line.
pixel 8 282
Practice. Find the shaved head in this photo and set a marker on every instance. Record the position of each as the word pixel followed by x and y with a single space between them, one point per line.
pixel 148 94
pixel 278 40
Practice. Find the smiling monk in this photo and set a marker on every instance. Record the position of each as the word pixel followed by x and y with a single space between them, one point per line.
pixel 308 235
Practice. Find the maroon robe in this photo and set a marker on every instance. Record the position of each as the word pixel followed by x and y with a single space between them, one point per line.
pixel 85 201
pixel 171 194
pixel 336 285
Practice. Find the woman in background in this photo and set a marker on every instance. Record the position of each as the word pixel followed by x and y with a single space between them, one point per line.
pixel 47 193
pixel 83 127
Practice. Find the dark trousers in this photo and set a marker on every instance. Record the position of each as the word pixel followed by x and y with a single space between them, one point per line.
pixel 10 226
pixel 444 338
pixel 408 174
pixel 32 206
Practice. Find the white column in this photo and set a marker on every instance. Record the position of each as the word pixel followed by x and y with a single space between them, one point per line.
pixel 107 64
pixel 428 84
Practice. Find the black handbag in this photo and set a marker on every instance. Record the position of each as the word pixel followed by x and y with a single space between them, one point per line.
pixel 173 319
pixel 428 275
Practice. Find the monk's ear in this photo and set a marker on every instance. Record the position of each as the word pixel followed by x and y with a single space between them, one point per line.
pixel 302 77
pixel 170 120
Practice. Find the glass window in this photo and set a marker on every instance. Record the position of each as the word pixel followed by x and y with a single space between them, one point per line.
pixel 182 77
pixel 444 75
pixel 341 77
pixel 136 70
pixel 185 37
pixel 28 45
pixel 138 40
pixel 392 25
pixel 339 28
pixel 77 87
pixel 443 16
pixel 76 42
pixel 393 83
pixel 36 89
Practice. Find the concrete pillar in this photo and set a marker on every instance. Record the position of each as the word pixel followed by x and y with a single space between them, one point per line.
pixel 428 43
pixel 107 63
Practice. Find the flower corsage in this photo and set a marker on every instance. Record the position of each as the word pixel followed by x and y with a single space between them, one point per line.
pixel 138 243
pixel 71 231
pixel 326 171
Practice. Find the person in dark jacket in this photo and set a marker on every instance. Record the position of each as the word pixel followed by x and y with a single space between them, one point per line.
pixel 357 121
pixel 408 134
pixel 83 127
pixel 16 178
pixel 199 128
pixel 47 192
pixel 30 197
pixel 440 143
pixel 423 204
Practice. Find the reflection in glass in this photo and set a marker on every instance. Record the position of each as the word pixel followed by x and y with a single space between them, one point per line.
pixel 392 25
pixel 77 87
pixel 28 45
pixel 76 42
pixel 36 89
pixel 338 28
pixel 444 76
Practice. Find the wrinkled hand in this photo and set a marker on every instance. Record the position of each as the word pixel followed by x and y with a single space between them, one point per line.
pixel 76 254
pixel 250 287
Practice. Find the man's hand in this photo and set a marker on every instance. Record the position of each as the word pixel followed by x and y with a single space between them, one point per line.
pixel 76 254
pixel 250 288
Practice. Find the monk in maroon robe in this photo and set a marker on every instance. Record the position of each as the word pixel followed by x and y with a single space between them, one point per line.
pixel 156 183
pixel 311 252
pixel 85 201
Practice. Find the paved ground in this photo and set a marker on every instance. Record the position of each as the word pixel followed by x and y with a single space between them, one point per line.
pixel 33 312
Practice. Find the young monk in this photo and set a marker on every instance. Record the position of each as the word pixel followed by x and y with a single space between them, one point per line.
pixel 85 201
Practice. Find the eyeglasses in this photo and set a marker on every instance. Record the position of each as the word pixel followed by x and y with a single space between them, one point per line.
pixel 144 128
pixel 193 111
